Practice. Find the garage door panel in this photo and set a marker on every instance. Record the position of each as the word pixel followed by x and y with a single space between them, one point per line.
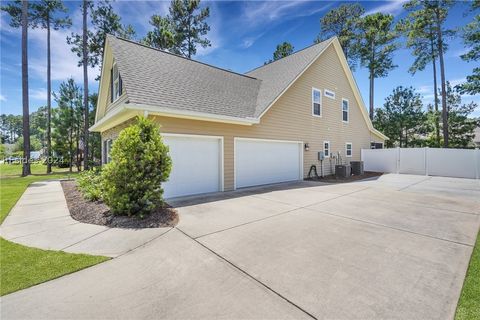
pixel 196 166
pixel 260 162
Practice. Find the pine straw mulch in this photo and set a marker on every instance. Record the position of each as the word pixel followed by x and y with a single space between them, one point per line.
pixel 97 212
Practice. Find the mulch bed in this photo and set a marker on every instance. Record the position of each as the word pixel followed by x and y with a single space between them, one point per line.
pixel 97 212
pixel 333 179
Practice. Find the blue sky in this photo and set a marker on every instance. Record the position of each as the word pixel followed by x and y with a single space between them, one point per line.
pixel 244 34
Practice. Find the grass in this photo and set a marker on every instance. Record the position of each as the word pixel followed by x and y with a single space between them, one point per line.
pixel 22 267
pixel 469 303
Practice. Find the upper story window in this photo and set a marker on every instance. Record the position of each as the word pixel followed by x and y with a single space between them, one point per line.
pixel 116 84
pixel 316 102
pixel 348 149
pixel 345 110
pixel 329 94
pixel 326 149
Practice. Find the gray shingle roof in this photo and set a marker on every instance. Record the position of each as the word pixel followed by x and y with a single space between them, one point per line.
pixel 157 78
pixel 278 75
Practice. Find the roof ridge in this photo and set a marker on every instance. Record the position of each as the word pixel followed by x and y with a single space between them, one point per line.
pixel 308 47
pixel 182 57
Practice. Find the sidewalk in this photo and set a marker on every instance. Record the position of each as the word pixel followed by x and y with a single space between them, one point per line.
pixel 41 219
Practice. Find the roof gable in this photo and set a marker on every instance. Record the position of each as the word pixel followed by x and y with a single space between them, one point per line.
pixel 156 79
pixel 278 75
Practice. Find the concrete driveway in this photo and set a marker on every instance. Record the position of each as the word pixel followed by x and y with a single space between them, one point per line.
pixel 395 247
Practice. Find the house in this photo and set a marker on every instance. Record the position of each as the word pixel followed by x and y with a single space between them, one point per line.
pixel 228 130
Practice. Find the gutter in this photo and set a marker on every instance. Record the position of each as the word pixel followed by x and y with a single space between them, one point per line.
pixel 126 111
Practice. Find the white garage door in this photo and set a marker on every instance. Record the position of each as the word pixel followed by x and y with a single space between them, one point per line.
pixel 260 162
pixel 196 165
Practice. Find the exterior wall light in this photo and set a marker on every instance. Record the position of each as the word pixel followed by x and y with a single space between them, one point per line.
pixel 307 147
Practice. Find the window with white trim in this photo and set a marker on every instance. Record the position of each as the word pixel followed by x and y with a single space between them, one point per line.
pixel 107 145
pixel 326 149
pixel 329 94
pixel 345 110
pixel 348 149
pixel 116 83
pixel 316 102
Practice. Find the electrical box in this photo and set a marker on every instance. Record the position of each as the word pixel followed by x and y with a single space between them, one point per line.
pixel 321 156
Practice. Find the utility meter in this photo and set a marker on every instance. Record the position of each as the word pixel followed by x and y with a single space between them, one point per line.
pixel 321 155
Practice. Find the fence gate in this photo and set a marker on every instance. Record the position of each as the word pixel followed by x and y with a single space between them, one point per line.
pixel 460 163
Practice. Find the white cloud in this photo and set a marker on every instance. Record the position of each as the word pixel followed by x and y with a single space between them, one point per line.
pixel 38 94
pixel 3 98
pixel 455 82
pixel 391 7
pixel 64 61
pixel 266 14
pixel 249 41
pixel 138 13
pixel 215 22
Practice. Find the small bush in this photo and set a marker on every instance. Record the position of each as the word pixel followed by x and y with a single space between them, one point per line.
pixel 139 164
pixel 90 184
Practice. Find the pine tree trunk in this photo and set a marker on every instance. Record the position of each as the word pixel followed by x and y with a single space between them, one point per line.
pixel 26 113
pixel 372 83
pixel 435 93
pixel 442 79
pixel 49 101
pixel 85 87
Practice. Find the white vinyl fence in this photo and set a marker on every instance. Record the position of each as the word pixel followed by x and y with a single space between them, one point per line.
pixel 460 163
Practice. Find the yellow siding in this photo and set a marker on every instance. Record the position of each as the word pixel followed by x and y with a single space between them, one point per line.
pixel 290 118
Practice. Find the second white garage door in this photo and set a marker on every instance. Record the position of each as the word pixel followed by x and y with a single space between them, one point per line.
pixel 260 162
pixel 197 165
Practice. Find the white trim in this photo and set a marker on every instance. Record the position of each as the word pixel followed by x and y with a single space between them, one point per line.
pixel 332 96
pixel 348 110
pixel 268 140
pixel 130 110
pixel 199 136
pixel 113 82
pixel 194 115
pixel 329 149
pixel 294 80
pixel 312 106
pixel 355 89
pixel 300 143
pixel 346 149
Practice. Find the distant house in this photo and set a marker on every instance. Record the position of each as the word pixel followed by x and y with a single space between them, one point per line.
pixel 228 130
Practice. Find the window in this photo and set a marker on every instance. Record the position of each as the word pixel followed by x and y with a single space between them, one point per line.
pixel 329 94
pixel 116 83
pixel 345 110
pixel 348 149
pixel 107 147
pixel 326 149
pixel 316 102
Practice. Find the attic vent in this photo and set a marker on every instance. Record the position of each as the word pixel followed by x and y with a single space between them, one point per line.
pixel 329 94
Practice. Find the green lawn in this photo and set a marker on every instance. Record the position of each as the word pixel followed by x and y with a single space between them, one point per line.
pixel 22 267
pixel 469 304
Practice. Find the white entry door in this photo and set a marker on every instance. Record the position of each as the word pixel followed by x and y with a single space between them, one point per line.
pixel 260 161
pixel 197 165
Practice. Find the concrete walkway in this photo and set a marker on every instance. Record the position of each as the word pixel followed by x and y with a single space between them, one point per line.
pixel 41 219
pixel 394 247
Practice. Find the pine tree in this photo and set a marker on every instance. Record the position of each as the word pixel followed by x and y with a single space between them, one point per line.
pixel 376 47
pixel 44 16
pixel 343 22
